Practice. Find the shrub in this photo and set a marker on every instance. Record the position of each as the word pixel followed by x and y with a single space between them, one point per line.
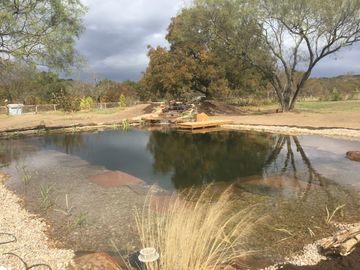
pixel 122 101
pixel 335 95
pixel 65 101
pixel 86 103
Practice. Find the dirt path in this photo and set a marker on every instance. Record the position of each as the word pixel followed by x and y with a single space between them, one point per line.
pixel 68 119
pixel 348 119
pixel 339 124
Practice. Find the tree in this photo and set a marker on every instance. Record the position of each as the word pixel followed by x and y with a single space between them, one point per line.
pixel 40 31
pixel 110 91
pixel 16 81
pixel 198 61
pixel 180 72
pixel 298 33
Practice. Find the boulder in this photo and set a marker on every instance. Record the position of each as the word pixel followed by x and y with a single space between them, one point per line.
pixel 353 155
pixel 95 261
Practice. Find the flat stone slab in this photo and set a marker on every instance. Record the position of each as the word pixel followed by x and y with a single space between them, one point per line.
pixel 95 261
pixel 115 179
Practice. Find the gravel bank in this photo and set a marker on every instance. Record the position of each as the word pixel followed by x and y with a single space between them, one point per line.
pixel 22 237
pixel 350 134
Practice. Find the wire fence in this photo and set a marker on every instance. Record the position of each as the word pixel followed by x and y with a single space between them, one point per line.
pixel 42 108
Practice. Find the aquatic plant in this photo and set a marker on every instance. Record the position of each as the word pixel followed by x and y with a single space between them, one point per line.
pixel 195 232
pixel 125 125
pixel 330 216
pixel 82 219
pixel 25 174
pixel 45 201
pixel 67 211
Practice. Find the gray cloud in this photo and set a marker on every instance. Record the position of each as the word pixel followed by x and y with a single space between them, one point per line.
pixel 345 61
pixel 117 35
pixel 118 32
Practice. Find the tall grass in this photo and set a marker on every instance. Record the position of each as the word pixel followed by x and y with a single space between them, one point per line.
pixel 195 232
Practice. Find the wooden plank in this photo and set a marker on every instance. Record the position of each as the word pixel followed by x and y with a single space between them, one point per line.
pixel 204 124
pixel 202 130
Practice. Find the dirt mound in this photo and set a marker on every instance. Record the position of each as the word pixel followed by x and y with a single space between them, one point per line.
pixel 350 262
pixel 150 108
pixel 212 107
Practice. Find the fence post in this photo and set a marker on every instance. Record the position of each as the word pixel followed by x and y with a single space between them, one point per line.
pixel 36 109
pixel 55 107
pixel 105 106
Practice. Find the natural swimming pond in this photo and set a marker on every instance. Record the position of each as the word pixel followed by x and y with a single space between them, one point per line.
pixel 69 180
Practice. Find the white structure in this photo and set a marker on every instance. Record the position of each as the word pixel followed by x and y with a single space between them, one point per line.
pixel 15 109
pixel 148 255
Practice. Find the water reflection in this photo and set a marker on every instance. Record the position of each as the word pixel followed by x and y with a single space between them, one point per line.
pixel 180 160
pixel 14 150
pixel 198 159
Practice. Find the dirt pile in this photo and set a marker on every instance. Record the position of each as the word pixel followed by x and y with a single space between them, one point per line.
pixel 212 107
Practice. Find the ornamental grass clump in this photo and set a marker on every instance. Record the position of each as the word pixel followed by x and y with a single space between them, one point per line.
pixel 198 232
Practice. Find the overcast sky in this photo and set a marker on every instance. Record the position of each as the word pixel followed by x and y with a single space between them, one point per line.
pixel 118 32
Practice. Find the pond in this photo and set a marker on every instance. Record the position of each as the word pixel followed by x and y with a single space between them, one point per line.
pixel 69 180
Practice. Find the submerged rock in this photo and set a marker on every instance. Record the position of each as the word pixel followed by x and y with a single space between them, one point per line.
pixel 115 179
pixel 353 155
pixel 95 261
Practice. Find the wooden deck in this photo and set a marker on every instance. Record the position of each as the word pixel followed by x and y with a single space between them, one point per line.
pixel 204 124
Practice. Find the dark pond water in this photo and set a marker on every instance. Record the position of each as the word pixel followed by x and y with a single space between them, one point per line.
pixel 291 179
pixel 179 160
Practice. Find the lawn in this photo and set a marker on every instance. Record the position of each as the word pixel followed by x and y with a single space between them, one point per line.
pixel 328 106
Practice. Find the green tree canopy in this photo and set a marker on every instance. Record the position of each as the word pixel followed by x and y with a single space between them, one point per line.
pixel 41 31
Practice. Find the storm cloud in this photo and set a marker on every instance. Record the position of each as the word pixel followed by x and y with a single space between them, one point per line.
pixel 118 32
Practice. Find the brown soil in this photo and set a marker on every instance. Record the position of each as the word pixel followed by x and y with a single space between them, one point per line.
pixel 212 107
pixel 351 262
pixel 348 119
pixel 68 119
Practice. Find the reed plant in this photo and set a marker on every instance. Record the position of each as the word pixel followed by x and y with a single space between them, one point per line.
pixel 196 231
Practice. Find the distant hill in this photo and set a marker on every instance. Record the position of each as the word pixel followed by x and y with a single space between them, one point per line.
pixel 334 88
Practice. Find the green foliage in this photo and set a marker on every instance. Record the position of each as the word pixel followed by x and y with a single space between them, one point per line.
pixel 86 103
pixel 82 219
pixel 41 31
pixel 125 125
pixel 25 174
pixel 335 95
pixel 122 101
pixel 45 199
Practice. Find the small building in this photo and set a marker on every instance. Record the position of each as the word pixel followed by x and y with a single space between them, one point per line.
pixel 15 109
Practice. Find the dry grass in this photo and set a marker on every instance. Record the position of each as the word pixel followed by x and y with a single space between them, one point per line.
pixel 195 232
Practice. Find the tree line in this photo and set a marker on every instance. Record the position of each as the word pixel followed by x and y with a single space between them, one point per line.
pixel 22 83
pixel 217 48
